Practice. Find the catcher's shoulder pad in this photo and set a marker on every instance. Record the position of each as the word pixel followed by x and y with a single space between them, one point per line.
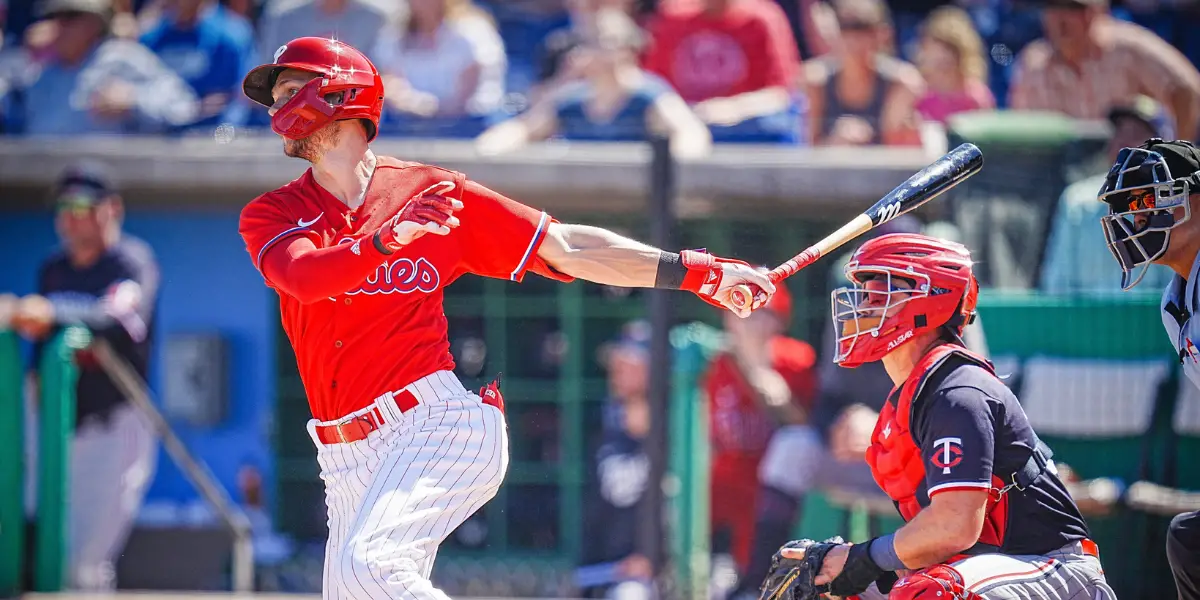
pixel 793 579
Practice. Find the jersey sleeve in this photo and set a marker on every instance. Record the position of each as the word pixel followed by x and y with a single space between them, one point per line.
pixel 500 237
pixel 955 430
pixel 263 224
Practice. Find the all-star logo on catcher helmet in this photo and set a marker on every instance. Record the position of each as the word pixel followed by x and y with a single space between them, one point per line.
pixel 1147 193
pixel 903 285
pixel 349 87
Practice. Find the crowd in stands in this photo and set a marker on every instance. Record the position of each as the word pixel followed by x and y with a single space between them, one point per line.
pixel 507 72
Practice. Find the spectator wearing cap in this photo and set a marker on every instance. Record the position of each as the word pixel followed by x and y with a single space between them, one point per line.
pixel 107 281
pixel 611 566
pixel 1090 61
pixel 761 382
pixel 954 65
pixel 1077 258
pixel 733 61
pixel 861 94
pixel 92 82
pixel 616 100
pixel 210 47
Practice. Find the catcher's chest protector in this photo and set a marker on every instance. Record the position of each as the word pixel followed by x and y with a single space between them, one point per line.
pixel 894 457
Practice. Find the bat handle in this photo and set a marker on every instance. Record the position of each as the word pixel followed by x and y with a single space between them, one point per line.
pixel 744 295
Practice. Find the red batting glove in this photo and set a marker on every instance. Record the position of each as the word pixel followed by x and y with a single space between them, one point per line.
pixel 426 212
pixel 704 274
pixel 490 394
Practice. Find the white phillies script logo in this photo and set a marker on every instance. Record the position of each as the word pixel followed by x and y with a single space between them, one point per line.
pixel 400 276
pixel 900 340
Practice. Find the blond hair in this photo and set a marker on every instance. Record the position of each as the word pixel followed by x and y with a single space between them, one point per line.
pixel 952 26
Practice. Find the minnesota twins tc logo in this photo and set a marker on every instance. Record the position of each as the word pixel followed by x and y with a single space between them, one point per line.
pixel 947 454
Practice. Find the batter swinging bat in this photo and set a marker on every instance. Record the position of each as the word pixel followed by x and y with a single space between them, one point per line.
pixel 945 173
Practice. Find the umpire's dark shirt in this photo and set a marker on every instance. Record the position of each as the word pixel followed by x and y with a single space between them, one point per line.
pixel 115 298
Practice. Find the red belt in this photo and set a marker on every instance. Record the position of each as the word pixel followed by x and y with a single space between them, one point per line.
pixel 361 426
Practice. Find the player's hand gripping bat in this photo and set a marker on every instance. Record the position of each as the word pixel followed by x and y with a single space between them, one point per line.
pixel 945 173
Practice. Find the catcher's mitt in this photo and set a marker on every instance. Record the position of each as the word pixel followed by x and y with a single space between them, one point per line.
pixel 792 579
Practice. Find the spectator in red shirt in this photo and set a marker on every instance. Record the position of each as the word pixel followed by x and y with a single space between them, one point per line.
pixel 734 60
pixel 763 380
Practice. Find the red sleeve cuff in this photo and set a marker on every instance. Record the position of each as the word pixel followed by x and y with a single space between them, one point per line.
pixel 530 258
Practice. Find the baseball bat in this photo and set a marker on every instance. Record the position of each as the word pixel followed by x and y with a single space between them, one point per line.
pixel 927 184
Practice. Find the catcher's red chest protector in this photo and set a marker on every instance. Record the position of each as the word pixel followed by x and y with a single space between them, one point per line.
pixel 894 457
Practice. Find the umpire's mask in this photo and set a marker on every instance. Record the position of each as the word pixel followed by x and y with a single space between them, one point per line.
pixel 1146 201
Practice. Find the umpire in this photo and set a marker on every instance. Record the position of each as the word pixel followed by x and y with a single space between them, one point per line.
pixel 108 282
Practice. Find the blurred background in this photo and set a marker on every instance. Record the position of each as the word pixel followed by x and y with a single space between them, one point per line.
pixel 748 127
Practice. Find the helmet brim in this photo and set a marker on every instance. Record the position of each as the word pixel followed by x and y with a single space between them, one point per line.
pixel 258 83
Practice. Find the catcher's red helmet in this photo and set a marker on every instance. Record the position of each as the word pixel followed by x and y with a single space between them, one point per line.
pixel 349 87
pixel 879 313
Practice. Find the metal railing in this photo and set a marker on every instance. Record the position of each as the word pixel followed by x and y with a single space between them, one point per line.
pixel 134 388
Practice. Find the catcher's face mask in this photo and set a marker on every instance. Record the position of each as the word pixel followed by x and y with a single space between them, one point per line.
pixel 1145 204
pixel 868 311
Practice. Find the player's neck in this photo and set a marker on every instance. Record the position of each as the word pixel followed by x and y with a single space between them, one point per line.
pixel 345 172
pixel 899 363
pixel 1182 265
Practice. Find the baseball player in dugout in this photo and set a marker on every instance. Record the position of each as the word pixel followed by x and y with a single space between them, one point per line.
pixel 107 281
pixel 986 516
pixel 1150 198
pixel 359 249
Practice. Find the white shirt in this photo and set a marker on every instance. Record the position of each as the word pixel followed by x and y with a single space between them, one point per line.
pixel 438 67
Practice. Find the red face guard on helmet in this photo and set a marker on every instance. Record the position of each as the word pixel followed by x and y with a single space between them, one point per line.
pixel 347 86
pixel 903 285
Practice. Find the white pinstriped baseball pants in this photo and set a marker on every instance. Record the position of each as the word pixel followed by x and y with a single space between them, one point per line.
pixel 394 496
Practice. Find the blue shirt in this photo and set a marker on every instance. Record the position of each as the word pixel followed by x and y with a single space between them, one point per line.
pixel 211 55
pixel 629 124
pixel 54 99
pixel 1179 306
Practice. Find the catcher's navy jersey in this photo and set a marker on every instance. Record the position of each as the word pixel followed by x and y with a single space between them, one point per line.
pixel 1179 303
pixel 973 434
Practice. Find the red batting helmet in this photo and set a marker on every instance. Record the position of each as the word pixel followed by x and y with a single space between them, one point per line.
pixel 349 87
pixel 878 314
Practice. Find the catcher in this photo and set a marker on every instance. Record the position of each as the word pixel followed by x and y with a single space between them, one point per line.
pixel 986 513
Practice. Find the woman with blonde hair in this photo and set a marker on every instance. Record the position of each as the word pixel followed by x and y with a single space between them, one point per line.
pixel 952 60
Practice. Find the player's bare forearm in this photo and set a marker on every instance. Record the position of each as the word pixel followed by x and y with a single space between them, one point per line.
pixel 950 524
pixel 600 256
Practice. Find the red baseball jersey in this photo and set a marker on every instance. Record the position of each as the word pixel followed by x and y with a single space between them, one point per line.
pixel 747 48
pixel 388 329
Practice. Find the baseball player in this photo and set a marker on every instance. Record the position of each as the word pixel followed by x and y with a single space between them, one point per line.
pixel 359 249
pixel 986 514
pixel 1150 198
pixel 108 281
